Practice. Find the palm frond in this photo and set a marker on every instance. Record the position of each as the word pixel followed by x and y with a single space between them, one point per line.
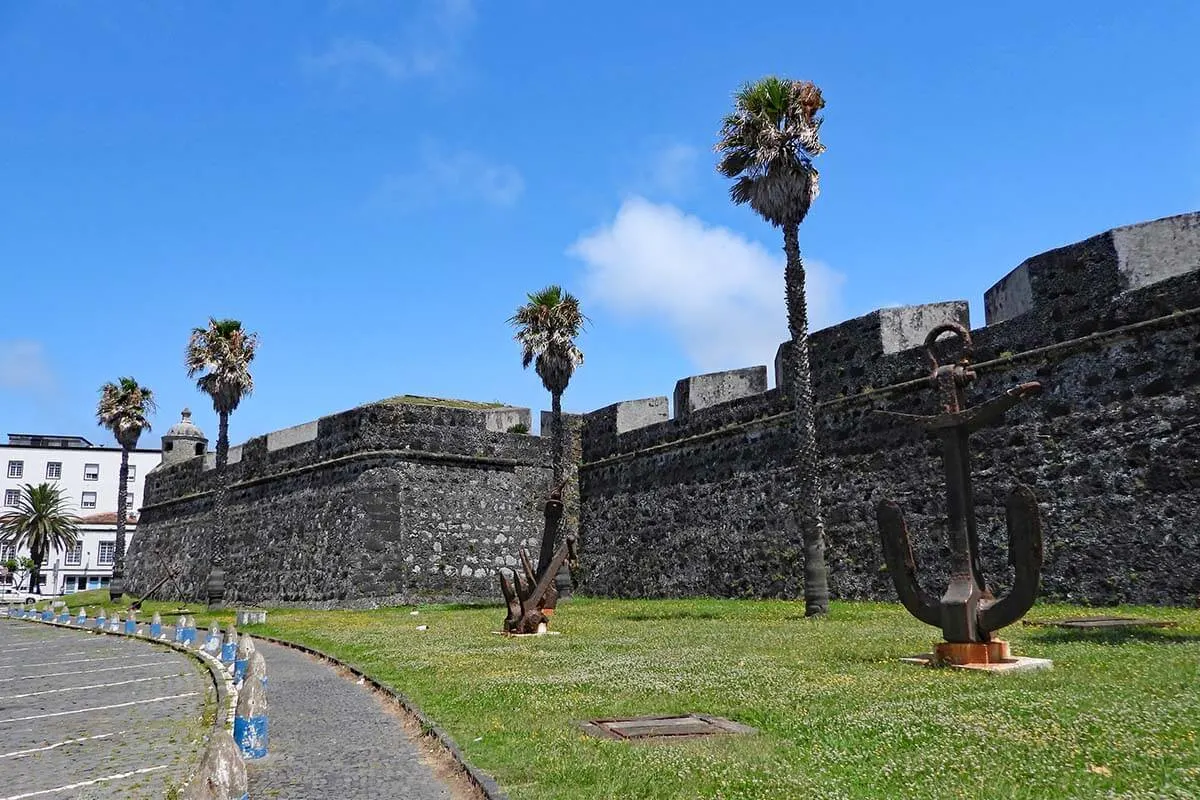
pixel 124 408
pixel 767 145
pixel 546 328
pixel 220 355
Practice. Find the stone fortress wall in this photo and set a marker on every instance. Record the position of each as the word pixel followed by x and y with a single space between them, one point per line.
pixel 396 501
pixel 698 503
pixel 389 501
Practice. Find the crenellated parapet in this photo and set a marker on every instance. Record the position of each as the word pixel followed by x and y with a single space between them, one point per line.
pixel 699 500
pixel 403 499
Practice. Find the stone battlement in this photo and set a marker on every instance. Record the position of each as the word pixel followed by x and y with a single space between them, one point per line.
pixel 1117 278
pixel 699 502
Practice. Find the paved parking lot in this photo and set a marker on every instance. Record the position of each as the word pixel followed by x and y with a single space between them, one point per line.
pixel 89 716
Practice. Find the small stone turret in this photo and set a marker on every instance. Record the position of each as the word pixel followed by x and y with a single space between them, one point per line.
pixel 183 441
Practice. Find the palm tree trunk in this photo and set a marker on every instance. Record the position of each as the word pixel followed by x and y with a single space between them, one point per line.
pixel 550 534
pixel 808 483
pixel 223 440
pixel 215 586
pixel 116 586
pixel 35 575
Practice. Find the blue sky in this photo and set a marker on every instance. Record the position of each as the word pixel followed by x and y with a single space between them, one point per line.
pixel 374 186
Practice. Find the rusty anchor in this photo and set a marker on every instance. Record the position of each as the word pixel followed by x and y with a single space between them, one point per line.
pixel 532 597
pixel 968 613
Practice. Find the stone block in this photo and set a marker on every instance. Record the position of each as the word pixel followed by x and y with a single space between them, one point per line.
pixel 703 391
pixel 297 434
pixel 500 420
pixel 1151 252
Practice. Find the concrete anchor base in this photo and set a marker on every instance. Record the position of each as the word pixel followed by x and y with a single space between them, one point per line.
pixel 993 656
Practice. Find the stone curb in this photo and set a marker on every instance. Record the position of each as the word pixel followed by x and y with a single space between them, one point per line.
pixel 222 680
pixel 482 781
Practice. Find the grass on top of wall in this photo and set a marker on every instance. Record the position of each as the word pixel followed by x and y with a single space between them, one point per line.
pixel 837 715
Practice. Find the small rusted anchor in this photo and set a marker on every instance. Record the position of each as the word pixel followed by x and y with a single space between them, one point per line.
pixel 968 613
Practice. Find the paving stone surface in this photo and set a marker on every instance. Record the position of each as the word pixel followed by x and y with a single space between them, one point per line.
pixel 332 738
pixel 91 716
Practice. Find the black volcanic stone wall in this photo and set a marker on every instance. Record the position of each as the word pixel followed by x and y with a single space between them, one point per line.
pixel 700 507
pixel 389 503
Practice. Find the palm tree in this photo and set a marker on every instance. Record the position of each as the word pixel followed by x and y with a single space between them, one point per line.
pixel 767 146
pixel 42 522
pixel 546 329
pixel 123 409
pixel 221 354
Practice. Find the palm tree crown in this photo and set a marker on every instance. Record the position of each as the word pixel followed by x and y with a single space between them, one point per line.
pixel 123 409
pixel 221 354
pixel 42 521
pixel 767 144
pixel 546 329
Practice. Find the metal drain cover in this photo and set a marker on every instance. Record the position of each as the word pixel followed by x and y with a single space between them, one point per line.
pixel 672 727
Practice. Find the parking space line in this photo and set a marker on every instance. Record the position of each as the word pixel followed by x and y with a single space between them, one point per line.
pixel 56 663
pixel 32 750
pixel 87 671
pixel 81 784
pixel 94 686
pixel 97 708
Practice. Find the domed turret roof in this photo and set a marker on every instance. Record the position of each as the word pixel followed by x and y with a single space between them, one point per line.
pixel 184 429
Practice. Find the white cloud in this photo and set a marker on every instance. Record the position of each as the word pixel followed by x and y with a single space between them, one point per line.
pixel 718 292
pixel 673 168
pixel 451 177
pixel 24 367
pixel 429 44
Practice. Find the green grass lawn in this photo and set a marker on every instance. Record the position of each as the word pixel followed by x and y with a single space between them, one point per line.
pixel 837 714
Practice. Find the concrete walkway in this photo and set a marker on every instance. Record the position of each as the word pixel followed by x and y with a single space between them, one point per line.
pixel 331 738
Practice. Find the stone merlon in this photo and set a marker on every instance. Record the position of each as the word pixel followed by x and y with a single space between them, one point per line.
pixel 702 391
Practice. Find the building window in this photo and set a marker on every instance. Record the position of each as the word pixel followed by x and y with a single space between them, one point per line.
pixel 129 500
pixel 16 469
pixel 91 472
pixel 89 500
pixel 132 472
pixel 105 553
pixel 53 470
pixel 7 552
pixel 74 555
pixel 12 497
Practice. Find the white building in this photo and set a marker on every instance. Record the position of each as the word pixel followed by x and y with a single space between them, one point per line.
pixel 89 475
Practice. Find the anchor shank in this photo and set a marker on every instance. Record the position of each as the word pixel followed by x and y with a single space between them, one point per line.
pixel 960 603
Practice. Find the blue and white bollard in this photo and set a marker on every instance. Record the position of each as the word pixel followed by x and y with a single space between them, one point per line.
pixel 81 620
pixel 229 647
pixel 250 719
pixel 101 620
pixel 114 624
pixel 180 624
pixel 245 648
pixel 212 645
pixel 48 615
pixel 189 632
pixel 64 616
pixel 156 626
pixel 131 623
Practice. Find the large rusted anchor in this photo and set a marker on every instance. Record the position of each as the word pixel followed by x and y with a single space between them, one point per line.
pixel 968 613
pixel 528 597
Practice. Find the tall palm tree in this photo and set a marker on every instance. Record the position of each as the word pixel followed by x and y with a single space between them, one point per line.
pixel 42 522
pixel 221 354
pixel 123 409
pixel 546 329
pixel 767 146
